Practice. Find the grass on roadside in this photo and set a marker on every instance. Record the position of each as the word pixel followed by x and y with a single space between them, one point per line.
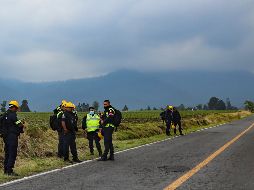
pixel 37 151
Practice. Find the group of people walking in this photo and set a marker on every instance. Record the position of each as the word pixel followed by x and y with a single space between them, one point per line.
pixel 172 118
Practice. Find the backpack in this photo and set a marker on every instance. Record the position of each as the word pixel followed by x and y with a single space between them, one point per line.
pixel 163 115
pixel 3 129
pixel 117 119
pixel 54 122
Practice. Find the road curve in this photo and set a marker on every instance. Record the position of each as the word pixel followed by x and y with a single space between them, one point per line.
pixel 158 165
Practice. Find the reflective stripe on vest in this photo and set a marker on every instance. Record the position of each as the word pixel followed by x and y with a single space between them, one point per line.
pixel 58 114
pixel 109 125
pixel 18 122
pixel 108 114
pixel 92 122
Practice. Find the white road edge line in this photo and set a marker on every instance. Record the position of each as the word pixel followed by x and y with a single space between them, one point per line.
pixel 87 161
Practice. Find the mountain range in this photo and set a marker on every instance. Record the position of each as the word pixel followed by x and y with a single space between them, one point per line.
pixel 135 89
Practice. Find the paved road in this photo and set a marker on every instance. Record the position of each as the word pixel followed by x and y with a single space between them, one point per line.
pixel 158 165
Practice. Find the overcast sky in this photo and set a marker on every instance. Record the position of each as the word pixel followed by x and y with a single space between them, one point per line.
pixel 48 40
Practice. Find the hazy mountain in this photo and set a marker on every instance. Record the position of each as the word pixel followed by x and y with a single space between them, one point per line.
pixel 135 89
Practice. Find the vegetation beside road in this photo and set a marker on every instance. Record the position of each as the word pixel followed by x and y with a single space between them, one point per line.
pixel 38 145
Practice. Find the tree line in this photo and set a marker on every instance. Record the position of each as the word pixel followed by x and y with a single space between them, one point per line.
pixel 214 103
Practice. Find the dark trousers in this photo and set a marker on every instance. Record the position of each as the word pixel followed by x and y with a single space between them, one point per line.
pixel 179 126
pixel 70 143
pixel 93 136
pixel 10 148
pixel 108 144
pixel 168 126
pixel 60 144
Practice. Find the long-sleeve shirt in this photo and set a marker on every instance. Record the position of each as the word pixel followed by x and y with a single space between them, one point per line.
pixel 12 124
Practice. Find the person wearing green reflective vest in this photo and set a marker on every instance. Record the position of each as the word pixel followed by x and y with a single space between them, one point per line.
pixel 91 125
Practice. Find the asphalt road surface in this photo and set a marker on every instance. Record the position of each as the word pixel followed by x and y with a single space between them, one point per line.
pixel 158 165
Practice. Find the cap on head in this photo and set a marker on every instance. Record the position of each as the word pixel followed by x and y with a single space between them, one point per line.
pixel 13 103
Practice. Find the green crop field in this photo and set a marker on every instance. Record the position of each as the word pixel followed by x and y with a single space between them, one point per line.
pixel 38 145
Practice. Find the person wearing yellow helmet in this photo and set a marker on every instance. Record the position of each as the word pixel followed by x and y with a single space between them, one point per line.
pixel 168 119
pixel 12 128
pixel 91 125
pixel 69 133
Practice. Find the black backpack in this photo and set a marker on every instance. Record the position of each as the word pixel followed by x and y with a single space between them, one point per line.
pixel 163 115
pixel 54 122
pixel 3 129
pixel 117 118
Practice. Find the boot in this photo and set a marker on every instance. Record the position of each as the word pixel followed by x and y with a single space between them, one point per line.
pixel 102 159
pixel 76 160
pixel 112 158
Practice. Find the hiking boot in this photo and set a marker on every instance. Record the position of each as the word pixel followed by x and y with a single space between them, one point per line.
pixel 112 158
pixel 102 159
pixel 68 160
pixel 77 160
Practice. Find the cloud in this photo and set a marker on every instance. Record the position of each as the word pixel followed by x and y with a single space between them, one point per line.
pixel 45 40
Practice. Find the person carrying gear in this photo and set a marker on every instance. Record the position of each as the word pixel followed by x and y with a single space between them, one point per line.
pixel 69 134
pixel 13 128
pixel 107 121
pixel 168 119
pixel 59 113
pixel 91 124
pixel 177 120
pixel 75 114
pixel 59 108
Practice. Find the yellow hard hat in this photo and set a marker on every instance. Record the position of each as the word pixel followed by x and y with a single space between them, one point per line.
pixel 74 106
pixel 14 103
pixel 100 135
pixel 63 102
pixel 69 105
pixel 170 107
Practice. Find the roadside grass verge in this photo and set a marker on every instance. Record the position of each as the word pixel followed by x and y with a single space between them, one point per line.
pixel 38 145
